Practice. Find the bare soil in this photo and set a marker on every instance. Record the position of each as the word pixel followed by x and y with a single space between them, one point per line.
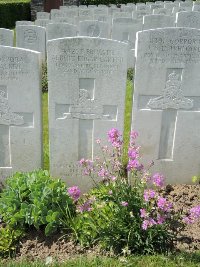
pixel 36 246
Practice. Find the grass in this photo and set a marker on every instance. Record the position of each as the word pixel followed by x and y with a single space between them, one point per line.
pixel 180 260
pixel 127 123
pixel 45 131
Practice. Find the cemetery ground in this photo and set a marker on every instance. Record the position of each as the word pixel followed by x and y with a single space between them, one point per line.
pixel 35 247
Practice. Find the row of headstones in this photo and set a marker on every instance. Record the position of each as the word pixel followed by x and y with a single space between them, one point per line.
pixel 87 86
pixel 74 15
pixel 123 29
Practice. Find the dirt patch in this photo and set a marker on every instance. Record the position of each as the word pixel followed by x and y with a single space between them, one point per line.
pixel 36 246
pixel 185 197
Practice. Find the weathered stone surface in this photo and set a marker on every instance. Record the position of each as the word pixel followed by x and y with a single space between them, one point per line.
pixel 32 37
pixel 124 29
pixel 162 11
pixel 188 19
pixel 20 111
pixel 167 101
pixel 24 22
pixel 158 21
pixel 60 30
pixel 43 15
pixel 87 81
pixel 94 28
pixel 6 37
pixel 42 22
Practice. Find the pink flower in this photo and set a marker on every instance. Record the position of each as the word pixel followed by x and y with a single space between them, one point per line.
pixel 134 164
pixel 149 194
pixel 148 223
pixel 103 173
pixel 160 219
pixel 74 192
pixel 82 162
pixel 194 215
pixel 115 138
pixel 124 203
pixel 110 192
pixel 86 206
pixel 134 134
pixel 158 180
pixel 133 153
pixel 113 178
pixel 163 204
pixel 98 141
pixel 143 213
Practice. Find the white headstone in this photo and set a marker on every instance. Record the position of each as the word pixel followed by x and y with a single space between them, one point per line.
pixel 156 6
pixel 20 111
pixel 24 22
pixel 60 30
pixel 186 4
pixel 139 14
pixel 142 7
pixel 162 11
pixel 158 21
pixel 180 9
pixel 6 37
pixel 86 12
pixel 196 8
pixel 188 19
pixel 166 107
pixel 101 11
pixel 124 30
pixel 94 28
pixel 32 37
pixel 43 15
pixel 42 22
pixel 87 81
pixel 122 15
pixel 56 13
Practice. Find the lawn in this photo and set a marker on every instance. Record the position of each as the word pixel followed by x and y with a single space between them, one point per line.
pixel 180 260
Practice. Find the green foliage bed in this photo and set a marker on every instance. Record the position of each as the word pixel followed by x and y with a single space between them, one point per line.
pixel 13 10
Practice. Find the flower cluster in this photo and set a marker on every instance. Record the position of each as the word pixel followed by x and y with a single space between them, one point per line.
pixel 115 138
pixel 133 154
pixel 87 166
pixel 194 215
pixel 86 206
pixel 158 180
pixel 74 192
pixel 158 209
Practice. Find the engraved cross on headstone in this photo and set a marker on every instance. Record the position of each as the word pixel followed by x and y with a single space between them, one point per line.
pixel 9 119
pixel 86 109
pixel 171 102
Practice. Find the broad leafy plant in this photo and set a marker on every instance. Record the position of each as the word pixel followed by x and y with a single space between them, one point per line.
pixel 8 241
pixel 35 199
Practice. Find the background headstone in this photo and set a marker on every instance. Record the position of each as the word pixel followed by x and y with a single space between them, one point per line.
pixel 188 19
pixel 59 30
pixel 42 22
pixel 158 21
pixel 124 29
pixel 24 22
pixel 6 37
pixel 94 29
pixel 32 37
pixel 43 15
